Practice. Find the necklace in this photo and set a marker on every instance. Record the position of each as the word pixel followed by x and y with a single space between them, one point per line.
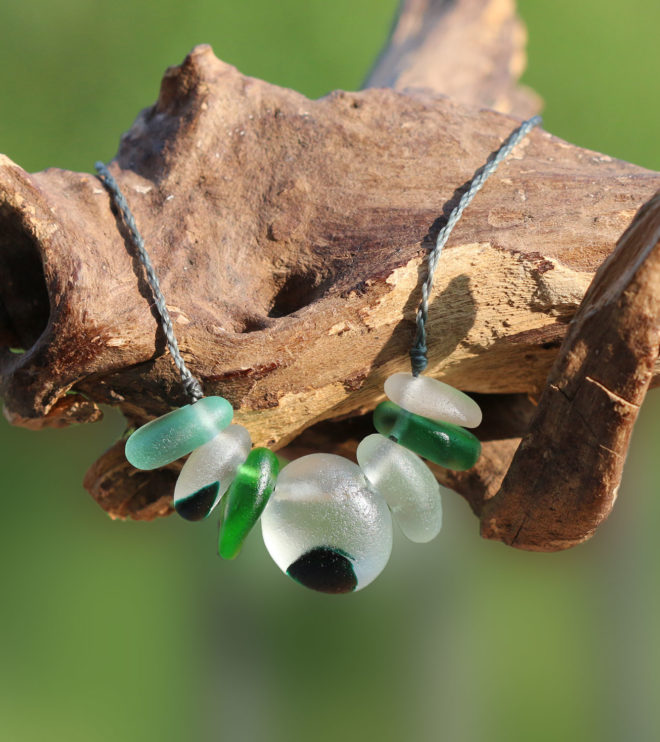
pixel 326 521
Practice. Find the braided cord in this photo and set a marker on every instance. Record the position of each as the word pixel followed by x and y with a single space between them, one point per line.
pixel 191 384
pixel 418 352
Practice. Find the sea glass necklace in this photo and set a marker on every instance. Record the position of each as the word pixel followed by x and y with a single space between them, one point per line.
pixel 326 521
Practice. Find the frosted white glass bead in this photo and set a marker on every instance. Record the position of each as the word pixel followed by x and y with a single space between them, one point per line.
pixel 325 526
pixel 431 398
pixel 208 472
pixel 406 483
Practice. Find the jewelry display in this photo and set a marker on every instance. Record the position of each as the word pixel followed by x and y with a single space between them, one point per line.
pixel 326 521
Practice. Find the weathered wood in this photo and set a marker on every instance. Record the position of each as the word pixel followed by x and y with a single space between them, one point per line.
pixel 566 473
pixel 470 50
pixel 289 235
pixel 125 492
pixel 298 239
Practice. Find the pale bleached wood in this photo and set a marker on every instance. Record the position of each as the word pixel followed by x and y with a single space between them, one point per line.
pixel 471 50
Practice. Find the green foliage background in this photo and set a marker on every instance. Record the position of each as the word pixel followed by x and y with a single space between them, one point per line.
pixel 125 631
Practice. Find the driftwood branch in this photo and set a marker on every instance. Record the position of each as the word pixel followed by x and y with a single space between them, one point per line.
pixel 572 457
pixel 472 51
pixel 289 235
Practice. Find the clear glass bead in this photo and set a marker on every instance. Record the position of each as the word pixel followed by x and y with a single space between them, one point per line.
pixel 434 399
pixel 209 471
pixel 325 526
pixel 406 483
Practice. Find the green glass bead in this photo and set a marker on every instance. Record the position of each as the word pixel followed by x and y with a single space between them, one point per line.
pixel 246 499
pixel 177 433
pixel 443 443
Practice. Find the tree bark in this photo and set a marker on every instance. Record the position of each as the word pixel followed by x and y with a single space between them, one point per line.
pixel 289 236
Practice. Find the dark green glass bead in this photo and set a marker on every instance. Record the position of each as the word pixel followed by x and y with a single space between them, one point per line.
pixel 246 499
pixel 325 570
pixel 443 443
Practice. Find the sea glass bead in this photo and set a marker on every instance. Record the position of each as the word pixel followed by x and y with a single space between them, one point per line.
pixel 443 443
pixel 177 433
pixel 406 483
pixel 434 399
pixel 325 526
pixel 246 499
pixel 209 471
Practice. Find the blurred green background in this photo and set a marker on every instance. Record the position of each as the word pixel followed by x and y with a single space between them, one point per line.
pixel 125 631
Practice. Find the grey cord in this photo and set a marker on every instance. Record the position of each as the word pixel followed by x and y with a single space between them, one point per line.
pixel 418 352
pixel 191 384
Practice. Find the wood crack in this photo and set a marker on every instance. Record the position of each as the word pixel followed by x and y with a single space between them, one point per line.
pixel 613 395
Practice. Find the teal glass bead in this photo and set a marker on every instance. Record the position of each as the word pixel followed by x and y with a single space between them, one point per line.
pixel 177 433
pixel 246 499
pixel 443 443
